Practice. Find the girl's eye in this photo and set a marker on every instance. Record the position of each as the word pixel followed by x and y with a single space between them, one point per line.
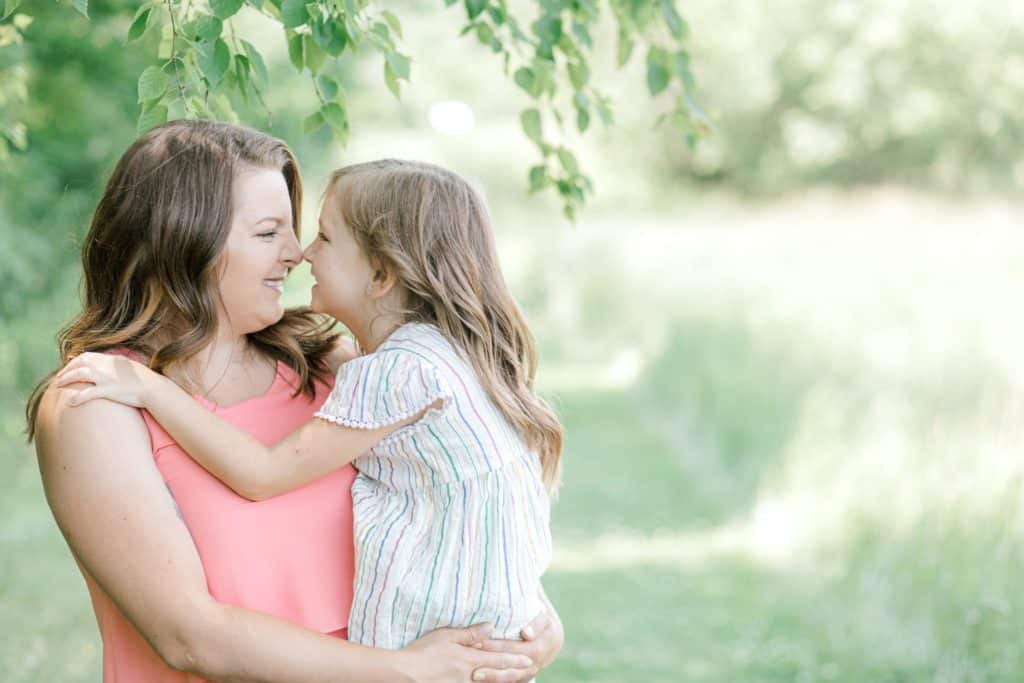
pixel 267 235
pixel 320 236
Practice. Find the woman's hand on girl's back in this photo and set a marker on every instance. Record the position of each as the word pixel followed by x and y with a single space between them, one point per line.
pixel 112 377
pixel 452 655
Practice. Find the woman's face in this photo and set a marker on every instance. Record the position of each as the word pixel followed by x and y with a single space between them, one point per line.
pixel 261 249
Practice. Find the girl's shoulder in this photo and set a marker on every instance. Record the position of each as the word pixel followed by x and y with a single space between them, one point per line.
pixel 399 379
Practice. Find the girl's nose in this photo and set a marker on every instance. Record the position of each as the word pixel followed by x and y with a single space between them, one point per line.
pixel 307 255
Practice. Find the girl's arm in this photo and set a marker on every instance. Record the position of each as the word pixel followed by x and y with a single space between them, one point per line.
pixel 241 461
pixel 121 524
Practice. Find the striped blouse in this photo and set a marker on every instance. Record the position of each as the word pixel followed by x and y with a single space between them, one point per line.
pixel 450 513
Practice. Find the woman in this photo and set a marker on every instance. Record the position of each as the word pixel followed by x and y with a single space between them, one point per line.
pixel 184 264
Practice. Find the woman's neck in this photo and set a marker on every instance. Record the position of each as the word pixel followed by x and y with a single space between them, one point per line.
pixel 217 363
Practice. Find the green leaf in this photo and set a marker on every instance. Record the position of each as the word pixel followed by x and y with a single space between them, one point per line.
pixel 497 14
pixel 657 78
pixel 657 74
pixel 530 121
pixel 675 24
pixel 475 7
pixel 138 26
pixel 258 65
pixel 222 9
pixel 334 115
pixel 294 13
pixel 296 51
pixel 393 22
pixel 579 74
pixel 582 34
pixel 337 118
pixel 391 81
pixel 330 34
pixel 7 7
pixel 525 79
pixel 539 178
pixel 581 100
pixel 151 118
pixel 152 84
pixel 328 86
pixel 400 65
pixel 166 47
pixel 485 34
pixel 242 73
pixel 213 61
pixel 381 30
pixel 315 56
pixel 198 106
pixel 81 6
pixel 549 29
pixel 582 120
pixel 625 49
pixel 312 123
pixel 568 161
pixel 17 133
pixel 605 112
pixel 208 28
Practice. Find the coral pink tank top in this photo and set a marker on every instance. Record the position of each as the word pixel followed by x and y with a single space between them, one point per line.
pixel 290 556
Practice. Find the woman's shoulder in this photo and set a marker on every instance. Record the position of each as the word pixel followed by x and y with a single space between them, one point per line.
pixel 62 427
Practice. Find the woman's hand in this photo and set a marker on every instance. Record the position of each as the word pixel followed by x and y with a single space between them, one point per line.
pixel 115 378
pixel 542 640
pixel 451 655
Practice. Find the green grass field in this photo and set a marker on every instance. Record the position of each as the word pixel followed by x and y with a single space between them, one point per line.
pixel 793 449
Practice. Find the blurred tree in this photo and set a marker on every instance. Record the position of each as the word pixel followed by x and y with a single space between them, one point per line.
pixel 204 65
pixel 855 92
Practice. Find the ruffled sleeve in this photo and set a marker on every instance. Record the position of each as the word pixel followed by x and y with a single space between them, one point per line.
pixel 383 388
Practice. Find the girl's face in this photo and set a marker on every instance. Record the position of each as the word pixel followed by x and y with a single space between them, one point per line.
pixel 260 251
pixel 342 272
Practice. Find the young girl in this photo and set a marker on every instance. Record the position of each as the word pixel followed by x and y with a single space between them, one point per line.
pixel 456 453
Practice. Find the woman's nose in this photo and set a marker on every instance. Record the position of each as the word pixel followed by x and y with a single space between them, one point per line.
pixel 292 254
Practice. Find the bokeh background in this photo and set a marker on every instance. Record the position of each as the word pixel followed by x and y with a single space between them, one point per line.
pixel 789 364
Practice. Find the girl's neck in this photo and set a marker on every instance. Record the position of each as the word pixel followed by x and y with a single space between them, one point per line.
pixel 374 332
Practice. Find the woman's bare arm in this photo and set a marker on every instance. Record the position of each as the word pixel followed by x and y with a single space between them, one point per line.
pixel 120 522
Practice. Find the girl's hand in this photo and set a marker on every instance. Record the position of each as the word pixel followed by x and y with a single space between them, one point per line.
pixel 115 378
pixel 542 640
pixel 343 351
pixel 451 655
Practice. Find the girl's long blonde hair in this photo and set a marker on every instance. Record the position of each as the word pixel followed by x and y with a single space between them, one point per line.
pixel 430 228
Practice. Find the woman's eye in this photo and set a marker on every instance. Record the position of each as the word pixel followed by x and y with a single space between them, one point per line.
pixel 267 235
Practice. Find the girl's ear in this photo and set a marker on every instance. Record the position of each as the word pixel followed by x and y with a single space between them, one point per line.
pixel 384 280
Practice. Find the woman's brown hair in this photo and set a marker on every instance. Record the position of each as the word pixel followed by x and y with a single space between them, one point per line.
pixel 431 229
pixel 150 256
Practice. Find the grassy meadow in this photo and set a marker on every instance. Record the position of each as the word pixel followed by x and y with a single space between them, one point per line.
pixel 794 431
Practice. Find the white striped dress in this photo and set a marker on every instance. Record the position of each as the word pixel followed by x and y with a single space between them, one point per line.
pixel 451 515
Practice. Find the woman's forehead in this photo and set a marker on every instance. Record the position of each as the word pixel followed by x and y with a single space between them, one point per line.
pixel 261 191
